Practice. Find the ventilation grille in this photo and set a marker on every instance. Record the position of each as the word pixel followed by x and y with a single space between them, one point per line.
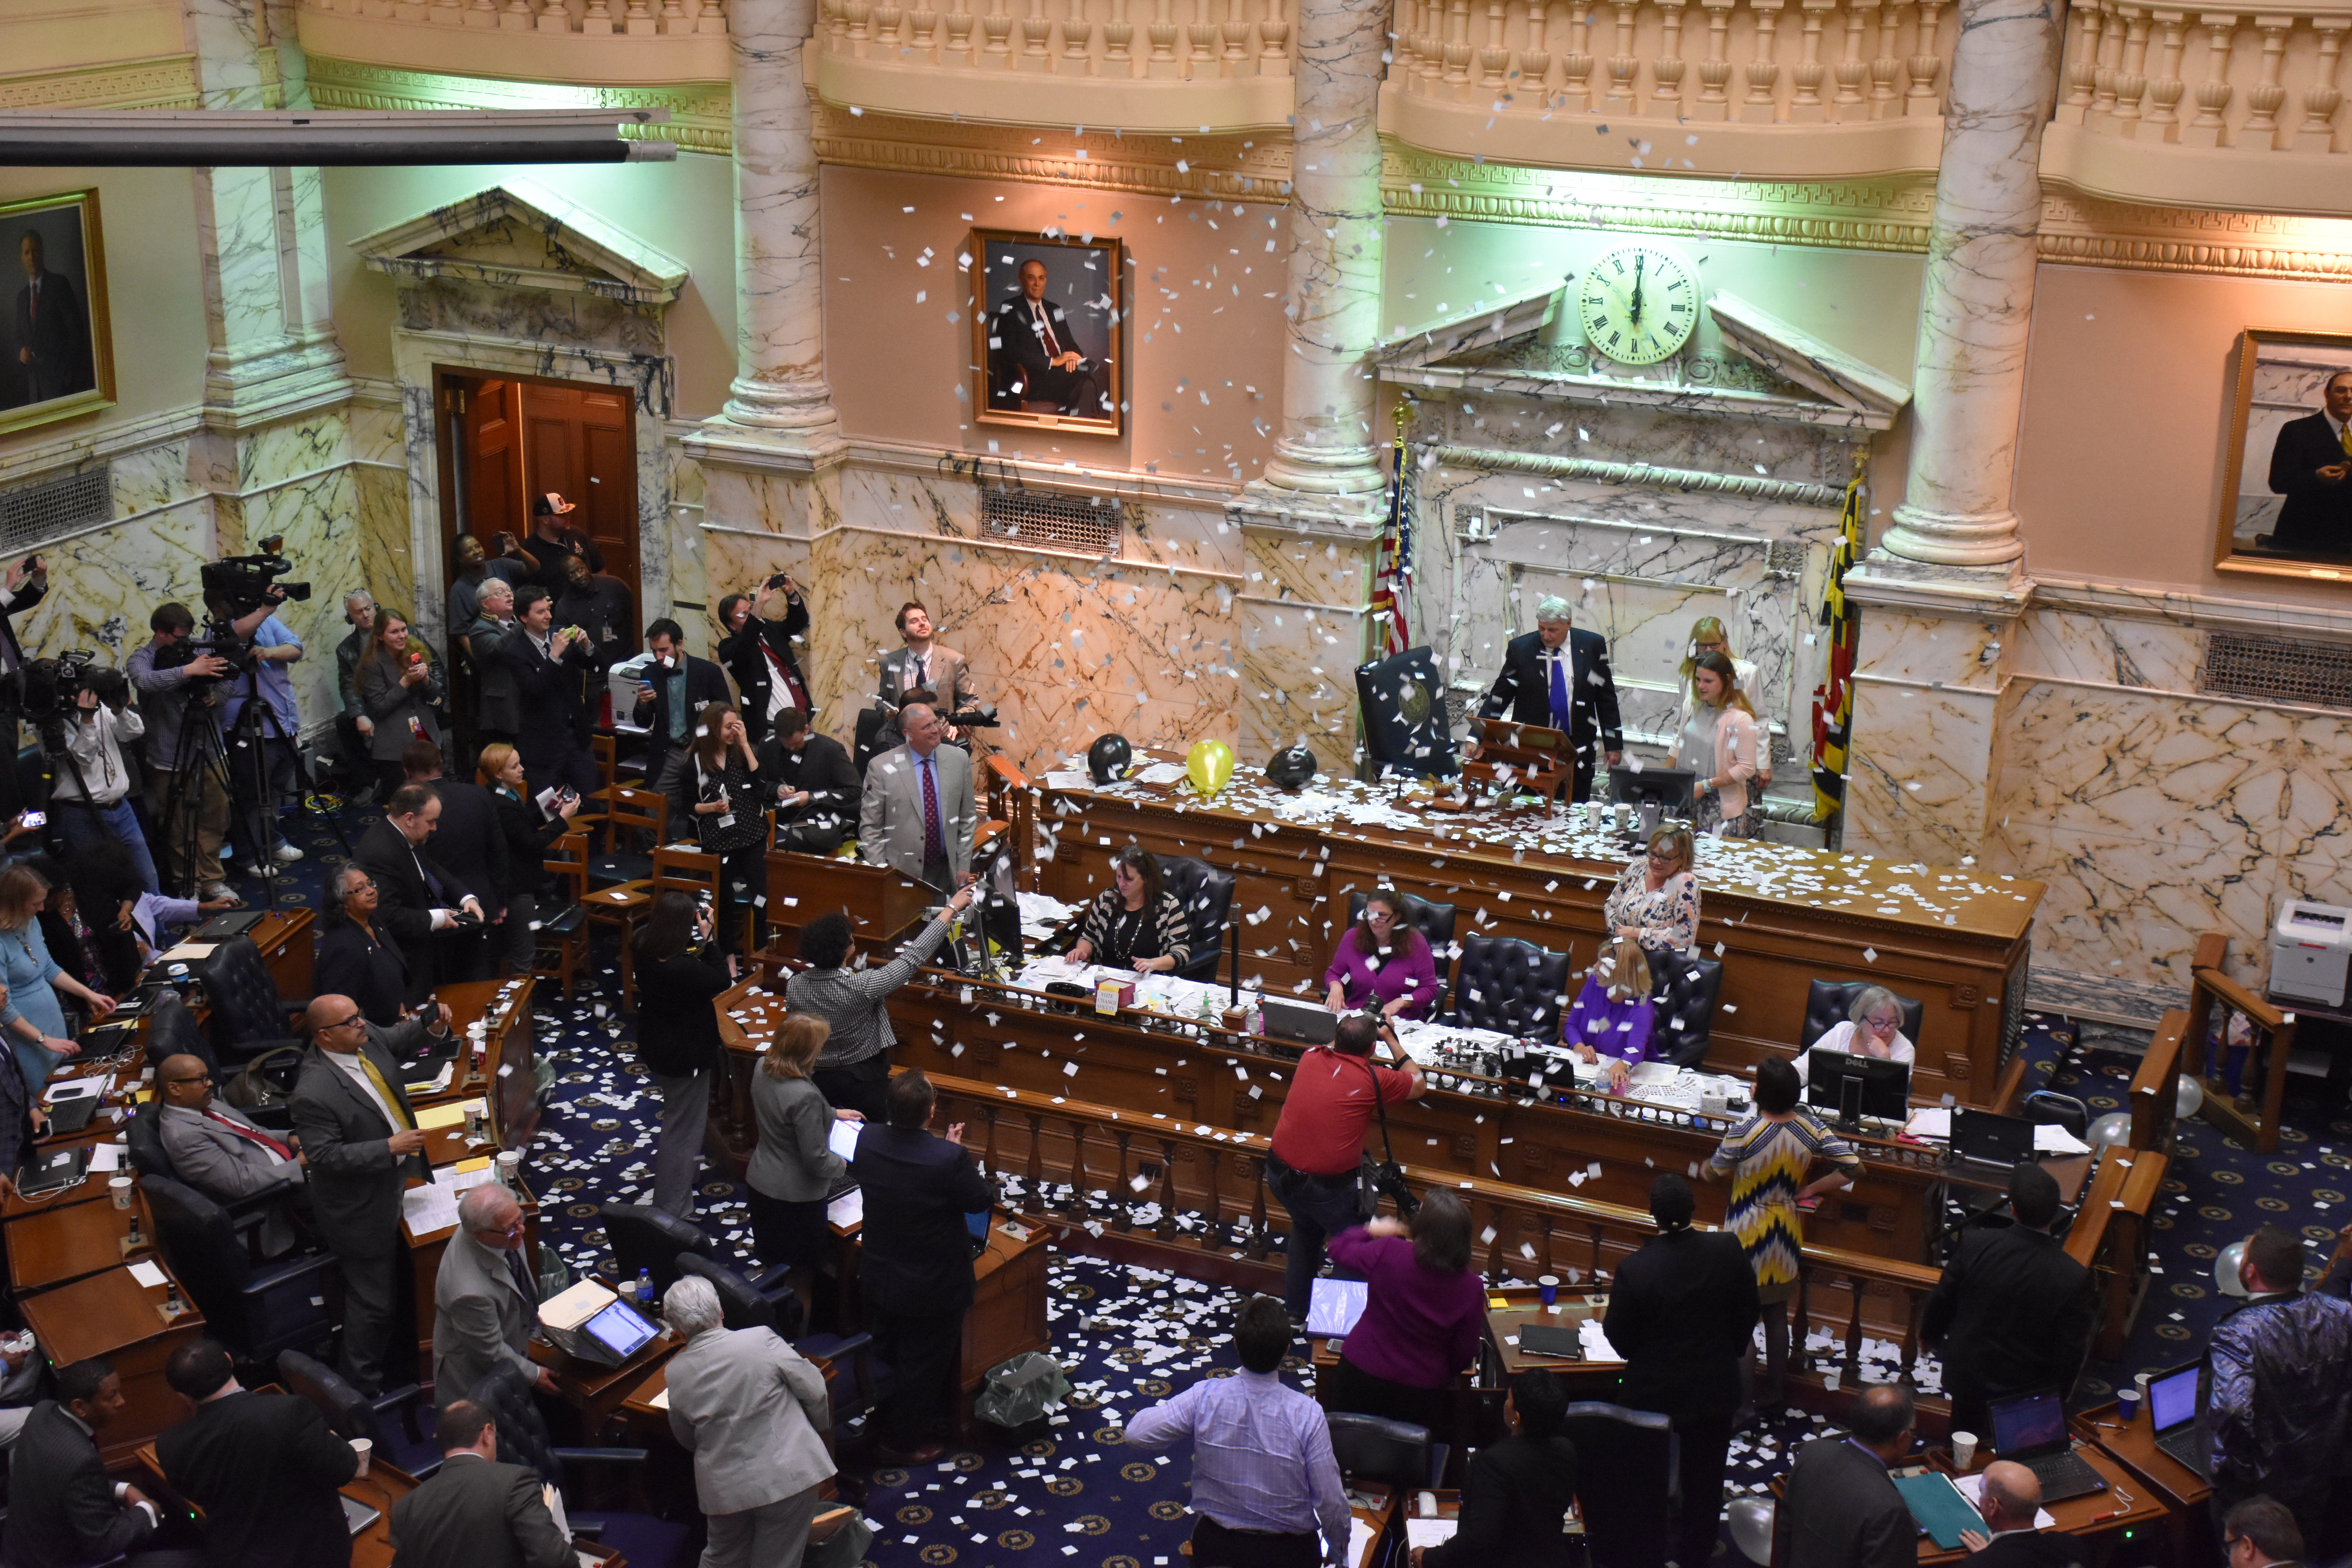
pixel 1088 523
pixel 34 514
pixel 2277 670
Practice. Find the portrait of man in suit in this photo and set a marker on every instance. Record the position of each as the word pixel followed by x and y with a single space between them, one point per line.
pixel 2311 466
pixel 1048 315
pixel 50 351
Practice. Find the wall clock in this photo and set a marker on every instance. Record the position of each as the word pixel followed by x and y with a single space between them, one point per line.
pixel 1638 304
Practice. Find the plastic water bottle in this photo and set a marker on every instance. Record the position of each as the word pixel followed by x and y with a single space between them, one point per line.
pixel 646 1290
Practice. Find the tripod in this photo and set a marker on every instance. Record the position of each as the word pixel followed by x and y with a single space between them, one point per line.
pixel 205 753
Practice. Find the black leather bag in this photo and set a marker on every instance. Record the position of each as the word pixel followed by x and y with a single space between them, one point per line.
pixel 251 1089
pixel 1375 1178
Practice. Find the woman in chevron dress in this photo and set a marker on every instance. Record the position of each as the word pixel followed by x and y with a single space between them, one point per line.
pixel 1767 1158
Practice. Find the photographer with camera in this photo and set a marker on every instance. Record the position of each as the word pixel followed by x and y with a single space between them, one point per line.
pixel 90 783
pixel 758 651
pixel 263 773
pixel 185 792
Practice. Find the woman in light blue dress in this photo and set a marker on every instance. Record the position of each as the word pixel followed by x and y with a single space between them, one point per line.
pixel 30 1014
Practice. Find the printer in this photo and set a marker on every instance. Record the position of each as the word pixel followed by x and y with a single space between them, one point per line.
pixel 2311 952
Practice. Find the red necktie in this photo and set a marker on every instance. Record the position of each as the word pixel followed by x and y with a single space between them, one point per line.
pixel 1053 349
pixel 242 1131
pixel 785 677
pixel 934 841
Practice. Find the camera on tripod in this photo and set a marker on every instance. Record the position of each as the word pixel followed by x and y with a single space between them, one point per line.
pixel 48 689
pixel 235 587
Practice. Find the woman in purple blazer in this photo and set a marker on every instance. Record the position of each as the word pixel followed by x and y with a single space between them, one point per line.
pixel 1425 1309
pixel 1612 1018
pixel 1382 964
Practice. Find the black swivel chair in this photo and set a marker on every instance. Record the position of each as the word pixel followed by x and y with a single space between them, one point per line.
pixel 173 1031
pixel 1205 894
pixel 1511 986
pixel 639 1537
pixel 1627 1482
pixel 1683 1021
pixel 1375 1448
pixel 150 1158
pixel 1827 1003
pixel 400 1423
pixel 1433 920
pixel 742 1301
pixel 2048 1107
pixel 646 1239
pixel 256 1310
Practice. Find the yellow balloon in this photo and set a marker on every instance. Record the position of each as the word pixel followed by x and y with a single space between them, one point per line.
pixel 1210 766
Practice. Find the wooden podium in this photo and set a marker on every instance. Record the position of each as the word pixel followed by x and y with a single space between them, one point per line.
pixel 883 903
pixel 1522 757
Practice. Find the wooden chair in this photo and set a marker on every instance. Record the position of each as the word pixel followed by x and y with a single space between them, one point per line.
pixel 608 765
pixel 562 949
pixel 644 809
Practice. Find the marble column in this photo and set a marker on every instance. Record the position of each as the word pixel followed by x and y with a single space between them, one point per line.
pixel 1976 307
pixel 1327 445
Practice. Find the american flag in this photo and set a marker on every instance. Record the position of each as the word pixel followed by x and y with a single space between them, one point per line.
pixel 1392 580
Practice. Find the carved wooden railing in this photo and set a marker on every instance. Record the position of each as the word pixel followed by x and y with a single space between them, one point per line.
pixel 2213 996
pixel 1013 798
pixel 1087 1165
pixel 2110 1239
pixel 2260 81
pixel 2156 1086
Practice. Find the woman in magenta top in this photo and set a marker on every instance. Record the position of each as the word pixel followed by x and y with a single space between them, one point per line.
pixel 1424 1309
pixel 1384 964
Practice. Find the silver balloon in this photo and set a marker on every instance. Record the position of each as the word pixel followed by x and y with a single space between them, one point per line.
pixel 2113 1128
pixel 2226 1264
pixel 1751 1528
pixel 2188 1096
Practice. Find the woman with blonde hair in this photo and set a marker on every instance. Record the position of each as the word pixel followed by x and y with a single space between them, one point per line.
pixel 794 1167
pixel 1612 1016
pixel 1655 900
pixel 529 832
pixel 29 1009
pixel 1707 635
pixel 1719 743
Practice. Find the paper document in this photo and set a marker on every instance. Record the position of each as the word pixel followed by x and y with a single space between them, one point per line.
pixel 660 1401
pixel 434 1117
pixel 848 1209
pixel 1359 1539
pixel 1063 778
pixel 843 1139
pixel 106 1156
pixel 148 1274
pixel 1420 1532
pixel 438 1082
pixel 1933 1121
pixel 1161 773
pixel 1595 1343
pixel 576 1306
pixel 2048 1139
pixel 428 1208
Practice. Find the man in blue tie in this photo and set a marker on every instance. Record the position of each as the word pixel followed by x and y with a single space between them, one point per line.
pixel 1557 677
pixel 916 813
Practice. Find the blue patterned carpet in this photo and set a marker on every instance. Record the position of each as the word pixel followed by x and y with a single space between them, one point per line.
pixel 1130 1336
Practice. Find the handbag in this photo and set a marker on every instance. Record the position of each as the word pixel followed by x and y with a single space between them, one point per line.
pixel 251 1089
pixel 1375 1178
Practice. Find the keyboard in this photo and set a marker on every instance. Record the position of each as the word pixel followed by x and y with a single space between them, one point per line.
pixel 2182 1443
pixel 2063 1476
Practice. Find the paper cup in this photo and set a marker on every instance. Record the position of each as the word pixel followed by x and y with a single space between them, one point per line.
pixel 1964 1450
pixel 1548 1287
pixel 2126 1406
pixel 119 1189
pixel 365 1448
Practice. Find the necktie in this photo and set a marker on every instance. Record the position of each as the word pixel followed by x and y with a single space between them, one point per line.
pixel 934 841
pixel 1052 348
pixel 522 1277
pixel 1560 702
pixel 256 1134
pixel 2344 438
pixel 431 884
pixel 923 671
pixel 400 1112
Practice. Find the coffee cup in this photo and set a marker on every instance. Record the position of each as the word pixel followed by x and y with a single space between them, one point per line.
pixel 510 1169
pixel 1964 1450
pixel 365 1448
pixel 119 1189
pixel 1548 1288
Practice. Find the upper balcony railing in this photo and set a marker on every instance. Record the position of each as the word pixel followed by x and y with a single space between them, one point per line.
pixel 589 43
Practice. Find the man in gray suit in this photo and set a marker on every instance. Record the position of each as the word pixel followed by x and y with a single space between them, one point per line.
pixel 217 1150
pixel 484 1299
pixel 361 1140
pixel 474 1513
pixel 752 1411
pixel 916 813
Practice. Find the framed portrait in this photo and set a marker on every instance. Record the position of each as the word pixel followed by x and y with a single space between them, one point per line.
pixel 2286 507
pixel 1047 316
pixel 57 357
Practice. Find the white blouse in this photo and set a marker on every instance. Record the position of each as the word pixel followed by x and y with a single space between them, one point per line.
pixel 1839 1037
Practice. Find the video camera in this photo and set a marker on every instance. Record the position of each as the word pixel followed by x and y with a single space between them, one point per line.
pixel 48 689
pixel 246 582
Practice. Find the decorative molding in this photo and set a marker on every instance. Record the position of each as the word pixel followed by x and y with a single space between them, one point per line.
pixel 1488 460
pixel 166 81
pixel 2197 612
pixel 1493 322
pixel 2094 231
pixel 1229 167
pixel 1819 367
pixel 701 115
pixel 584 253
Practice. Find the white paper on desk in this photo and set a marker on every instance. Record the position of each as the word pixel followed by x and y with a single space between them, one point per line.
pixel 1064 778
pixel 843 1139
pixel 188 952
pixel 1161 773
pixel 1594 1343
pixel 848 1209
pixel 105 1157
pixel 660 1401
pixel 429 1208
pixel 148 1274
pixel 1359 1537
pixel 1931 1121
pixel 440 1079
pixel 1421 1532
pixel 1972 1489
pixel 2054 1140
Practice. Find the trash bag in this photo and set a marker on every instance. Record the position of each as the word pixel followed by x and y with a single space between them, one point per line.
pixel 1020 1390
pixel 845 1548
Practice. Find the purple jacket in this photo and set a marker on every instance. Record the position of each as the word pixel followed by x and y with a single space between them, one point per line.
pixel 1374 981
pixel 2275 1406
pixel 1419 1328
pixel 1619 1030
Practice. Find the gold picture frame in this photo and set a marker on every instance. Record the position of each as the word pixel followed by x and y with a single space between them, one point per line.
pixel 1021 376
pixel 2278 517
pixel 57 363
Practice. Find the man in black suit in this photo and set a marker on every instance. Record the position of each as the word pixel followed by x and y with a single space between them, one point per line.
pixel 2311 464
pixel 21 588
pixel 670 693
pixel 474 1513
pixel 2012 1312
pixel 1557 677
pixel 361 1140
pixel 468 834
pixel 1839 1508
pixel 758 651
pixel 818 784
pixel 419 899
pixel 2009 1502
pixel 1034 357
pixel 263 1467
pixel 549 665
pixel 1682 1313
pixel 63 1509
pixel 52 333
pixel 915 1267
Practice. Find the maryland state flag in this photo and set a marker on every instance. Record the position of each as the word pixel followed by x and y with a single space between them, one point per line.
pixel 1833 699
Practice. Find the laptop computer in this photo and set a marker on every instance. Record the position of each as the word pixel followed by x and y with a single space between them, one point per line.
pixel 233 923
pixel 611 1336
pixel 1302 1023
pixel 2172 1407
pixel 2030 1430
pixel 70 1116
pixel 1988 1138
pixel 53 1172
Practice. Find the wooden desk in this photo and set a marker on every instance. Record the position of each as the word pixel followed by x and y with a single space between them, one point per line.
pixel 883 903
pixel 1008 1308
pixel 1504 1323
pixel 501 1071
pixel 2183 1491
pixel 111 1314
pixel 15 1207
pixel 599 1393
pixel 2127 1504
pixel 61 1246
pixel 287 949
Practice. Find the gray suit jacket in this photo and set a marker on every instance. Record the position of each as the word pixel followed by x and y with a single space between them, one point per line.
pixel 749 1407
pixel 355 1181
pixel 947 675
pixel 220 1165
pixel 472 1513
pixel 890 814
pixel 480 1320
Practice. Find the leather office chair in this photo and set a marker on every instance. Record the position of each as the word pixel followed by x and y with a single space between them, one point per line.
pixel 391 1421
pixel 2046 1106
pixel 150 1158
pixel 1433 920
pixel 256 1310
pixel 248 1015
pixel 1827 1003
pixel 1511 986
pixel 639 1536
pixel 1627 1482
pixel 742 1301
pixel 173 1031
pixel 646 1239
pixel 1683 1020
pixel 1205 894
pixel 1374 1448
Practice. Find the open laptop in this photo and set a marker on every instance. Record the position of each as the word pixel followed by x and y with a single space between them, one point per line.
pixel 1302 1023
pixel 2172 1408
pixel 56 1169
pixel 2030 1430
pixel 1989 1138
pixel 611 1336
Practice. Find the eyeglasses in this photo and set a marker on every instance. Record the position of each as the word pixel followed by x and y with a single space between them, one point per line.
pixel 199 1077
pixel 339 1023
pixel 1882 1023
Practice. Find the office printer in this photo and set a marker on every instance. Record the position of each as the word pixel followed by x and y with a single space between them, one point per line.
pixel 2311 952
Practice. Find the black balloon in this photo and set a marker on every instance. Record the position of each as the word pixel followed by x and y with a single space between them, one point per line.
pixel 1109 757
pixel 1291 768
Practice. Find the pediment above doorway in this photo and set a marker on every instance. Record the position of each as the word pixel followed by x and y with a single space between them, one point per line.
pixel 519 233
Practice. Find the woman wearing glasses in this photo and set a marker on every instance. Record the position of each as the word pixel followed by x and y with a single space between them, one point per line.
pixel 353 959
pixel 1873 1027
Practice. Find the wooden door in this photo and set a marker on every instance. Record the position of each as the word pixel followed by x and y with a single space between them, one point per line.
pixel 579 439
pixel 493 478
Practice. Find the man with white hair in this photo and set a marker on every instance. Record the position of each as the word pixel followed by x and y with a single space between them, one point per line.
pixel 1557 677
pixel 753 1412
pixel 496 715
pixel 484 1299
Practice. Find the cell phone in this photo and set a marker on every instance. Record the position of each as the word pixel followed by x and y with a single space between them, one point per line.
pixel 779 580
pixel 37 819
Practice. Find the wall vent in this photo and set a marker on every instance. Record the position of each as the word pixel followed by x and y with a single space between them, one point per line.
pixel 2277 670
pixel 32 515
pixel 1087 523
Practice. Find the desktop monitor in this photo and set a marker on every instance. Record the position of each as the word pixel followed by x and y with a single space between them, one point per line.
pixel 1655 794
pixel 1858 1086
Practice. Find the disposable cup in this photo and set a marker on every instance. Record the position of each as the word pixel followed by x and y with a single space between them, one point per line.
pixel 2127 1405
pixel 119 1189
pixel 365 1448
pixel 1548 1287
pixel 1964 1450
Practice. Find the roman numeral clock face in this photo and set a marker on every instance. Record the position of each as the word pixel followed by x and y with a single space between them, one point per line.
pixel 1638 304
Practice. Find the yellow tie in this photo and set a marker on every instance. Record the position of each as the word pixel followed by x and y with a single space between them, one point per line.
pixel 384 1088
pixel 2344 438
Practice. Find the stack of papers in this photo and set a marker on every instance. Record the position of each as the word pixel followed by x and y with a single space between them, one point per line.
pixel 435 1206
pixel 2048 1139
pixel 574 1306
pixel 1065 779
pixel 1161 773
pixel 1931 1121
pixel 1595 1343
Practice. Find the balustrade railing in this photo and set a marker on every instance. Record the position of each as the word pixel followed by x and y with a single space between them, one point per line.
pixel 1135 40
pixel 595 18
pixel 2261 79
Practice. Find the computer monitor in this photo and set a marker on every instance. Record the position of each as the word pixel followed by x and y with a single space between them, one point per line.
pixel 1000 904
pixel 1302 1023
pixel 620 1330
pixel 1655 794
pixel 1856 1086
pixel 2172 1399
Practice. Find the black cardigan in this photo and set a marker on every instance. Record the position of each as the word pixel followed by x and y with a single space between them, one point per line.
pixel 677 1026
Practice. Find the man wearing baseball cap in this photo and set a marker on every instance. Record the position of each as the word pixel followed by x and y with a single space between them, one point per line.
pixel 552 539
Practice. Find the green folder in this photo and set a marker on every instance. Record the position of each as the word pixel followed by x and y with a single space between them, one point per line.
pixel 1937 1506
